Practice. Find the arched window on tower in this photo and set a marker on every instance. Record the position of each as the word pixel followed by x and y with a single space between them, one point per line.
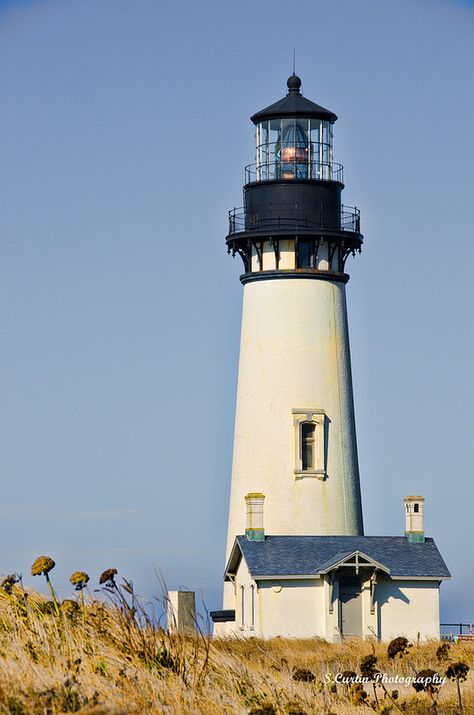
pixel 308 434
pixel 310 443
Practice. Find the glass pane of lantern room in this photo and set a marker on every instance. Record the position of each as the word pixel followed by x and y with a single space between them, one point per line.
pixel 262 151
pixel 316 156
pixel 274 148
pixel 258 157
pixel 302 150
pixel 327 141
pixel 288 149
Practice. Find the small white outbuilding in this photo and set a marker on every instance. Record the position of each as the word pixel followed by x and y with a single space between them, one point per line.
pixel 334 587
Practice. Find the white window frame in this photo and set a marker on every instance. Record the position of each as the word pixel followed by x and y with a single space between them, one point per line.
pixel 318 418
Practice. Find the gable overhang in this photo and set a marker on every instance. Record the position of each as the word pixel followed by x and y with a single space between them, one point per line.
pixel 236 556
pixel 355 559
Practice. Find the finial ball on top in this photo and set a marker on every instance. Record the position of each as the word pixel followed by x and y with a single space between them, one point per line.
pixel 293 83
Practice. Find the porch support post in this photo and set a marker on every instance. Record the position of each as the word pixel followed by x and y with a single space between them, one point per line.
pixel 373 582
pixel 331 592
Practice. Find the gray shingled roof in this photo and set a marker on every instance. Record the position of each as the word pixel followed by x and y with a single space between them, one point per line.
pixel 306 555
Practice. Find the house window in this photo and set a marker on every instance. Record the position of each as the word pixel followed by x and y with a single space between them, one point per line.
pixel 310 443
pixel 242 612
pixel 252 591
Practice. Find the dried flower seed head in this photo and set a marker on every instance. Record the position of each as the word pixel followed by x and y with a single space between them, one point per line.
pixel 79 580
pixel 348 677
pixel 9 581
pixel 108 577
pixel 264 709
pixel 442 652
pixel 399 646
pixel 69 607
pixel 367 667
pixel 42 565
pixel 457 671
pixel 303 675
pixel 358 696
pixel 47 607
pixel 425 681
pixel 295 708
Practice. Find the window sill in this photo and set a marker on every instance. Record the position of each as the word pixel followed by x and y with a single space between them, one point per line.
pixel 313 473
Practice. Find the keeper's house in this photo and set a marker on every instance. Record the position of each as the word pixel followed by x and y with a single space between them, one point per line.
pixel 334 586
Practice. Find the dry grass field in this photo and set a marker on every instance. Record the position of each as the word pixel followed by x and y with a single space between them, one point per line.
pixel 110 656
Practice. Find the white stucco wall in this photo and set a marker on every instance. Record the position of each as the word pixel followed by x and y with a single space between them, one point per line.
pixel 250 626
pixel 299 608
pixel 292 609
pixel 408 608
pixel 294 354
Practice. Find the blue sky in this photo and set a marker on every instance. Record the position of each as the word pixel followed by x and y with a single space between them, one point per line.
pixel 123 135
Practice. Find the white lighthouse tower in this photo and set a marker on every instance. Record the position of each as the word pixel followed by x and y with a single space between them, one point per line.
pixel 295 438
pixel 298 563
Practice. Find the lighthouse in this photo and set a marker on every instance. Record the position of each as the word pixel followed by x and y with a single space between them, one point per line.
pixel 295 437
pixel 298 563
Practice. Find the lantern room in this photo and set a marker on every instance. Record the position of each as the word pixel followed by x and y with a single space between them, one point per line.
pixel 293 148
pixel 294 139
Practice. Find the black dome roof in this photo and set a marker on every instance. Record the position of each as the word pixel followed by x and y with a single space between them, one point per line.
pixel 294 105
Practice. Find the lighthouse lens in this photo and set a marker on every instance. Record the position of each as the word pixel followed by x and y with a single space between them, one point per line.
pixel 294 150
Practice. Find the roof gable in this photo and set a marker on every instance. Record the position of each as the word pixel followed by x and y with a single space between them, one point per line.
pixel 351 558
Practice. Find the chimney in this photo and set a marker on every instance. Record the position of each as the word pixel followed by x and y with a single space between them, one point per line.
pixel 254 530
pixel 414 526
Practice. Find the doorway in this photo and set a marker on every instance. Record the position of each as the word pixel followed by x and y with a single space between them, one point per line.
pixel 350 606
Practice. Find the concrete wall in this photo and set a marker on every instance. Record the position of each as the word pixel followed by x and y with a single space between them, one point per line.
pixel 181 611
pixel 294 354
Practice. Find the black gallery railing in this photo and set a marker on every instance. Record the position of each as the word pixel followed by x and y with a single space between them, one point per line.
pixel 287 218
